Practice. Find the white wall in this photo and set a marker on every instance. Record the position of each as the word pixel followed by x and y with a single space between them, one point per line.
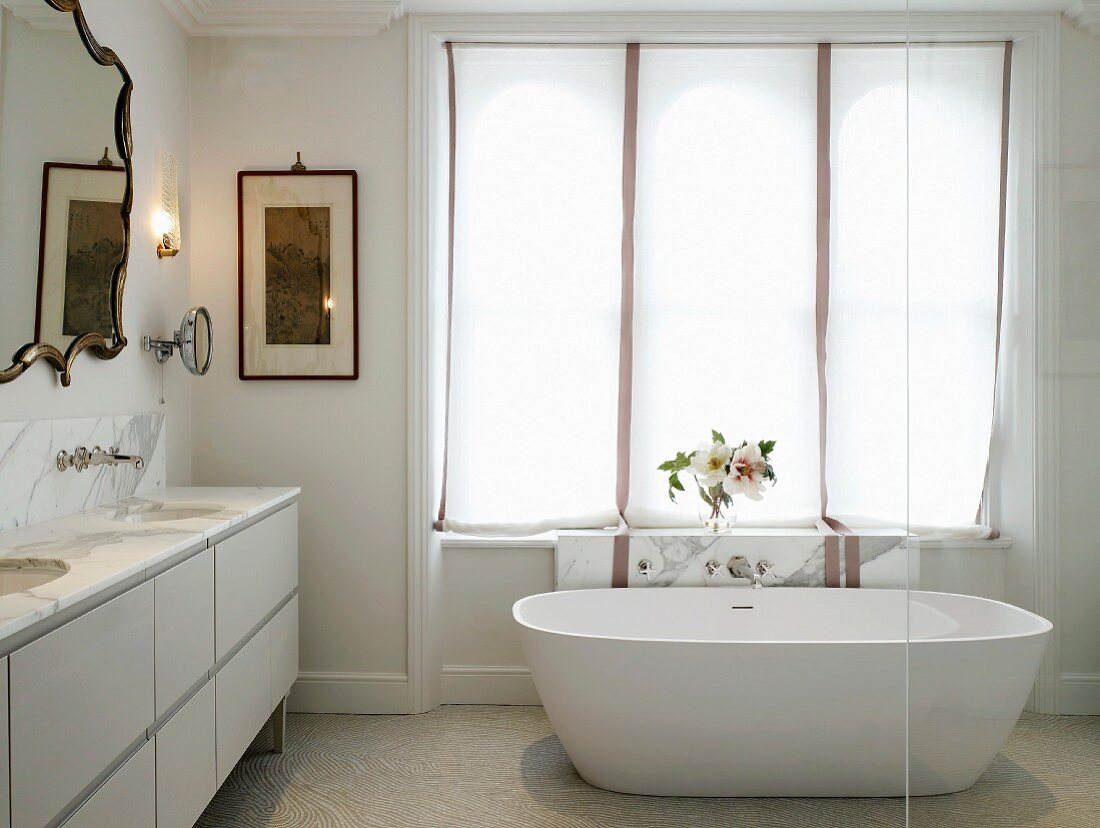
pixel 482 657
pixel 154 50
pixel 341 101
pixel 1079 568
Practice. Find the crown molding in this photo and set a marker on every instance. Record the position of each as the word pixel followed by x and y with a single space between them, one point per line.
pixel 1085 14
pixel 39 15
pixel 283 18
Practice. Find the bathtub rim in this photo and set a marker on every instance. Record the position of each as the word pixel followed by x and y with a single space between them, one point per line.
pixel 1045 626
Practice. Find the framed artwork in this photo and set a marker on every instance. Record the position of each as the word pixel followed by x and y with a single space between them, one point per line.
pixel 297 274
pixel 81 243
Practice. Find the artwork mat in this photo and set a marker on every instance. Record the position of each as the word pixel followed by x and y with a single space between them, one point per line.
pixel 337 190
pixel 62 183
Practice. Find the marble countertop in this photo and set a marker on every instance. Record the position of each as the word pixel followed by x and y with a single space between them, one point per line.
pixel 102 549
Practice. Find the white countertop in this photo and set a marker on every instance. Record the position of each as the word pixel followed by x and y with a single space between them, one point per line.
pixel 102 550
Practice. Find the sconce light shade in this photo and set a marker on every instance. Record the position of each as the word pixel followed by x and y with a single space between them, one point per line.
pixel 166 222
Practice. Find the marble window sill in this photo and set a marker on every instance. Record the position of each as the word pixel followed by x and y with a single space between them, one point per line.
pixel 548 540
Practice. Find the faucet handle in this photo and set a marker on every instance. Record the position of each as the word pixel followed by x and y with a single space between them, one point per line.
pixel 712 567
pixel 645 567
pixel 764 568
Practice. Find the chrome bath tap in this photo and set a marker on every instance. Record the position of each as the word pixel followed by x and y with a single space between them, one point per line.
pixel 739 567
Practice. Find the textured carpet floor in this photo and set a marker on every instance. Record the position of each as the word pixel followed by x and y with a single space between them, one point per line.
pixel 491 767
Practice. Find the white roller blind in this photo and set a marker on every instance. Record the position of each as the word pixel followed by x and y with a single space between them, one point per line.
pixel 725 280
pixel 866 344
pixel 725 285
pixel 535 337
pixel 911 357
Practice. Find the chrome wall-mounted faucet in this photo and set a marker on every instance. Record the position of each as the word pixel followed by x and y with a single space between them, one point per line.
pixel 81 459
pixel 739 567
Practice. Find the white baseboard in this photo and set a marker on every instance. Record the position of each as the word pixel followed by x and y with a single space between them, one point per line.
pixel 1079 694
pixel 350 693
pixel 488 685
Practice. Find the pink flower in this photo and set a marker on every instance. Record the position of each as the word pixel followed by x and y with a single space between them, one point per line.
pixel 746 473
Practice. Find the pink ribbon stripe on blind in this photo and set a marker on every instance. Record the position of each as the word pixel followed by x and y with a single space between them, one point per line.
pixel 621 552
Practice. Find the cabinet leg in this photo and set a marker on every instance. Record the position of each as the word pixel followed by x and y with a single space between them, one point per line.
pixel 278 726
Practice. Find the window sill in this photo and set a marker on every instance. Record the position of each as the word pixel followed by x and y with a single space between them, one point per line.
pixel 548 540
pixel 453 540
pixel 997 545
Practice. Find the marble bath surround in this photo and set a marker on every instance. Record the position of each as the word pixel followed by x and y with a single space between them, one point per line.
pixel 102 548
pixel 33 490
pixel 889 559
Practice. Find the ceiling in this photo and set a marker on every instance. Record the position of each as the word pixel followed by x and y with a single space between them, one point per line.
pixel 365 17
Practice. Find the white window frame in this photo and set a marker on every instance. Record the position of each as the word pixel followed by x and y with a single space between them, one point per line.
pixel 1025 504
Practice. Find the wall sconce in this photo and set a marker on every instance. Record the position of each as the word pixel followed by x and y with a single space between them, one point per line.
pixel 166 221
pixel 328 308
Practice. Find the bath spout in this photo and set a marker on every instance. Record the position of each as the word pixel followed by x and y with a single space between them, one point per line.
pixel 740 567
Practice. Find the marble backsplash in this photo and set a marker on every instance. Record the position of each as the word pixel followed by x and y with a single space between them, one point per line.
pixel 583 559
pixel 31 487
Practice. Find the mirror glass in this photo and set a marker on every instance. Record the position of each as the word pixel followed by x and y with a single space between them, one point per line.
pixel 196 338
pixel 62 233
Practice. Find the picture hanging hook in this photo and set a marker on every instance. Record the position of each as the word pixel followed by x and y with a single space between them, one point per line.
pixel 298 166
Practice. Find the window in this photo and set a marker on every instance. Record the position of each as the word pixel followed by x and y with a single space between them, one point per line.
pixel 722 302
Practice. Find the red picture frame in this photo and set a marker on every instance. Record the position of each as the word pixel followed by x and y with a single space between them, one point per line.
pixel 244 288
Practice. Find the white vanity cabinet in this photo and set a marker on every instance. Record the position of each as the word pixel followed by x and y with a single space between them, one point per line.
pixel 131 714
pixel 186 765
pixel 80 697
pixel 249 596
pixel 243 693
pixel 253 572
pixel 127 799
pixel 184 633
pixel 284 650
pixel 5 803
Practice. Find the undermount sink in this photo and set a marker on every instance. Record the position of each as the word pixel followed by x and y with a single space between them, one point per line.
pixel 21 574
pixel 162 513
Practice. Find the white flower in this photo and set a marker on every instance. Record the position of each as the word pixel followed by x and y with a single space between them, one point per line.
pixel 709 463
pixel 746 473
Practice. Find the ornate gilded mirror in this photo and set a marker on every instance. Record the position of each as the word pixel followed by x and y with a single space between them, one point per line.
pixel 66 188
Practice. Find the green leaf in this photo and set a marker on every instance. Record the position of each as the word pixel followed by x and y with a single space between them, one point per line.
pixel 679 463
pixel 706 497
pixel 717 437
pixel 674 485
pixel 767 447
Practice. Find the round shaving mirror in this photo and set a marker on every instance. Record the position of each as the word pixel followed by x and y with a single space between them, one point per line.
pixel 196 339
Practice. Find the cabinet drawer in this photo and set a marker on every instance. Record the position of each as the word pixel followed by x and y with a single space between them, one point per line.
pixel 128 798
pixel 284 650
pixel 186 772
pixel 184 632
pixel 80 696
pixel 5 804
pixel 242 700
pixel 253 571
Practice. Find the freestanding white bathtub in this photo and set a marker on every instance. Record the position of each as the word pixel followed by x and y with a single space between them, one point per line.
pixel 780 692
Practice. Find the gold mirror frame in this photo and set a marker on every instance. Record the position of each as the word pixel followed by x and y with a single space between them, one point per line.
pixel 26 356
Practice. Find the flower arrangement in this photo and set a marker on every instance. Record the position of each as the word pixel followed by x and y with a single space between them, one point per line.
pixel 722 471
